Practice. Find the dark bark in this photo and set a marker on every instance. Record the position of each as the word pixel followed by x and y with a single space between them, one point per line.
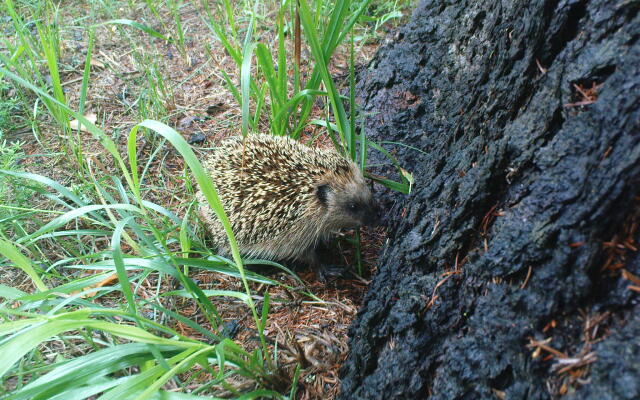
pixel 521 189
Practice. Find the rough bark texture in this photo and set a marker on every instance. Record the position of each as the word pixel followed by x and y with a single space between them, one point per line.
pixel 517 189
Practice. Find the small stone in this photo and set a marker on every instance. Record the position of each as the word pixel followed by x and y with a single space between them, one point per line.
pixel 196 138
pixel 216 109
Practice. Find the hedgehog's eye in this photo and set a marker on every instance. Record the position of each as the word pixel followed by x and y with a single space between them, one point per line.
pixel 352 206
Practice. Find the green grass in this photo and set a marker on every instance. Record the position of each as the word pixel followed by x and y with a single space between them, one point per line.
pixel 64 333
pixel 142 226
pixel 14 196
pixel 326 26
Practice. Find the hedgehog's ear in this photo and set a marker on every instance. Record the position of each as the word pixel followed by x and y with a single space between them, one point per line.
pixel 322 191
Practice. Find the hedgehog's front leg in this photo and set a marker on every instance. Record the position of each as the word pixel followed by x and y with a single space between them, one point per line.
pixel 325 271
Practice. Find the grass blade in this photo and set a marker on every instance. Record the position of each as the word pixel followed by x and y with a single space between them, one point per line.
pixel 136 25
pixel 70 216
pixel 13 254
pixel 321 63
pixel 86 369
pixel 123 278
pixel 245 86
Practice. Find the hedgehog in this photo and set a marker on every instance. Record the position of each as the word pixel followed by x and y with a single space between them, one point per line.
pixel 285 200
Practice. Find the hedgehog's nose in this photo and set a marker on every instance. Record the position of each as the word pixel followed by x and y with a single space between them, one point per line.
pixel 374 215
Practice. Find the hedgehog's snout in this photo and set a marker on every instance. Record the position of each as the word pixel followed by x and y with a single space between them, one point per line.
pixel 360 212
pixel 373 214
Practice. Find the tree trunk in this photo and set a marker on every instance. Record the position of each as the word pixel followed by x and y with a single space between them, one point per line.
pixel 510 271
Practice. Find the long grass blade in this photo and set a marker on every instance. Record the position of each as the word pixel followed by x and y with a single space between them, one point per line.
pixel 208 189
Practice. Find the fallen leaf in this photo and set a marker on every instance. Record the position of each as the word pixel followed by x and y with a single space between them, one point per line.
pixel 187 121
pixel 106 281
pixel 630 277
pixel 409 176
pixel 75 123
pixel 96 63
